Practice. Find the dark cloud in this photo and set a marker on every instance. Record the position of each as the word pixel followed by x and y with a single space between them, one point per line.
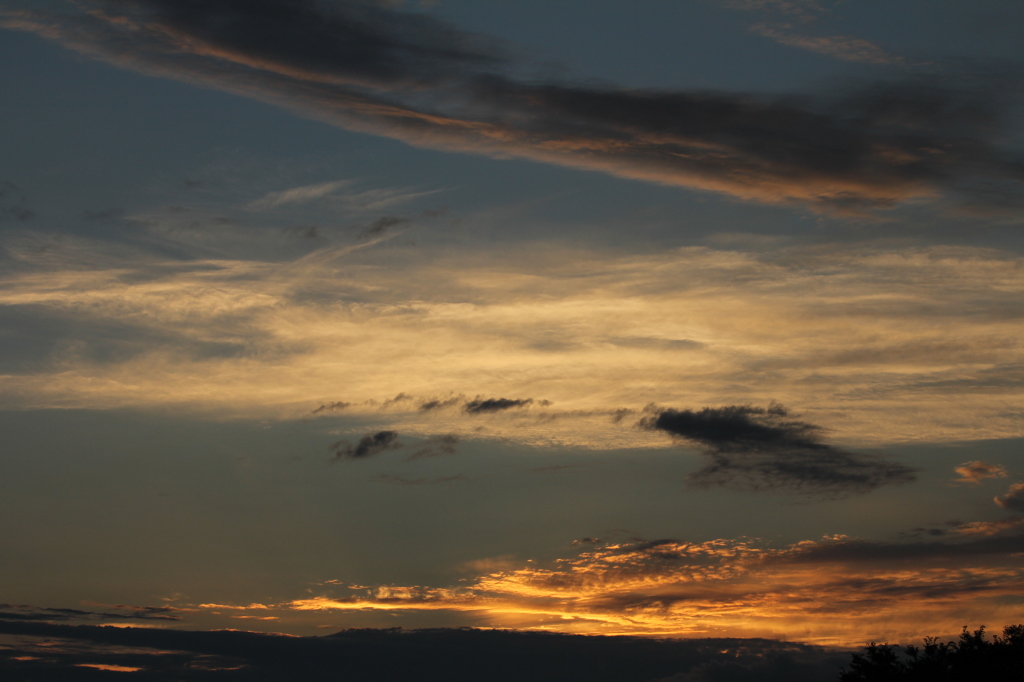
pixel 762 448
pixel 440 403
pixel 331 407
pixel 484 405
pixel 400 398
pixel 433 446
pixel 13 204
pixel 22 612
pixel 587 541
pixel 852 551
pixel 461 655
pixel 1013 500
pixel 368 446
pixel 382 225
pixel 404 75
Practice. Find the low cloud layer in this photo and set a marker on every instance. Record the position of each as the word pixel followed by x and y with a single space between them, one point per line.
pixel 374 69
pixel 464 655
pixel 763 448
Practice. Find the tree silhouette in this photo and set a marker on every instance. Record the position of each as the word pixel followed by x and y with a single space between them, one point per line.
pixel 968 659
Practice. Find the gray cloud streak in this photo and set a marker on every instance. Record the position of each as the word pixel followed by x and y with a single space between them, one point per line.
pixel 485 405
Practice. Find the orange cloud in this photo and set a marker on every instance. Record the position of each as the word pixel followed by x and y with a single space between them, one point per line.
pixel 975 472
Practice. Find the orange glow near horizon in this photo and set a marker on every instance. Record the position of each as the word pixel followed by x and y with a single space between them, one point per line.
pixel 722 588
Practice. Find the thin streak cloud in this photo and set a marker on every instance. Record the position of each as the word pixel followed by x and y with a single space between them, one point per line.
pixel 846 48
pixel 298 195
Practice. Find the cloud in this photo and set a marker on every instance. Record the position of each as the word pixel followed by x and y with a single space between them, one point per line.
pixel 1013 500
pixel 762 448
pixel 297 195
pixel 656 343
pixel 331 406
pixel 440 403
pixel 999 527
pixel 104 325
pixel 23 612
pixel 410 77
pixel 458 655
pixel 368 446
pixel 850 590
pixel 381 225
pixel 483 406
pixel 841 47
pixel 975 472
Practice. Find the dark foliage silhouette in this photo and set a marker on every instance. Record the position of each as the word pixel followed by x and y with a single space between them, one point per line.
pixel 969 658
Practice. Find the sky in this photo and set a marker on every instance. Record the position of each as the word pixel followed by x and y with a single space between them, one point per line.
pixel 667 318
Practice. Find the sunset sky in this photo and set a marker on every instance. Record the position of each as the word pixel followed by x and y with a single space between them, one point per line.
pixel 687 318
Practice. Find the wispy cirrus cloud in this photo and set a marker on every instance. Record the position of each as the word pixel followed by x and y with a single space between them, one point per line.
pixel 298 195
pixel 865 342
pixel 404 75
pixel 847 48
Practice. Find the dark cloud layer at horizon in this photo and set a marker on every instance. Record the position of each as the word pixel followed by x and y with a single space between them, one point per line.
pixel 763 449
pixel 408 76
pixel 387 655
pixel 22 612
